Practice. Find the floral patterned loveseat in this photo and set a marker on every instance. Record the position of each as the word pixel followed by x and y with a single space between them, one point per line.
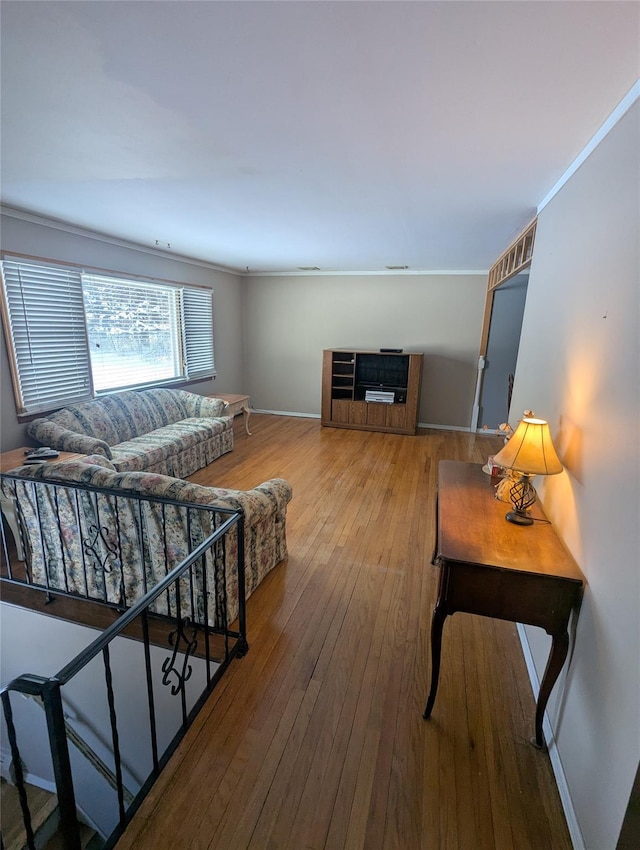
pixel 113 550
pixel 172 432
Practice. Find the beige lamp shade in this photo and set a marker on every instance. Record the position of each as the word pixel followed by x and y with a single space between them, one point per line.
pixel 530 449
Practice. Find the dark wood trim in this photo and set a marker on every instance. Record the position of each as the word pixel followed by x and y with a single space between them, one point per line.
pixel 630 833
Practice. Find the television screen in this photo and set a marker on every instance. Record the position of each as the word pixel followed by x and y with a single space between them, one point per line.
pixel 382 370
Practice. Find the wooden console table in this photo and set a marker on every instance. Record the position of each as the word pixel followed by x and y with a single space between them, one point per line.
pixel 491 567
pixel 236 404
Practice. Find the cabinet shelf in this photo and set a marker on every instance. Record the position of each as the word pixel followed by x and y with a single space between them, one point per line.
pixel 346 377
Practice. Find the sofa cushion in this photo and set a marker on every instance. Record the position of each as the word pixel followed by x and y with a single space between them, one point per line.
pixel 88 419
pixel 150 449
pixel 129 414
pixel 122 416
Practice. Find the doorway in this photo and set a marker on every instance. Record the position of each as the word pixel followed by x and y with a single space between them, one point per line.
pixel 505 327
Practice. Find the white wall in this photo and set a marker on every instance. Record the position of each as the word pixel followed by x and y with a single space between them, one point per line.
pixel 579 367
pixel 290 320
pixel 53 243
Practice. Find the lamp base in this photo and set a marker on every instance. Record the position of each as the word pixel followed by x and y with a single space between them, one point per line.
pixel 518 519
pixel 522 495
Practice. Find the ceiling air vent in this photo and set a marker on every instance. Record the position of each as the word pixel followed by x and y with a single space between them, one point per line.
pixel 396 268
pixel 309 268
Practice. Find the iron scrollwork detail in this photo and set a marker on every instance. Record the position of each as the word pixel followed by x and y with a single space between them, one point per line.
pixel 176 639
pixel 91 548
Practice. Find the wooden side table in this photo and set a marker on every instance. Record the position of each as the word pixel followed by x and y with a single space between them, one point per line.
pixel 236 404
pixel 494 568
pixel 12 460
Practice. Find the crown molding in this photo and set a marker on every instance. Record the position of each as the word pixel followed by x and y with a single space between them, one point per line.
pixel 370 273
pixel 56 224
pixel 621 109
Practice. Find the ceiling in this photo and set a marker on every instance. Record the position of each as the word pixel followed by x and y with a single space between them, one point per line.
pixel 271 136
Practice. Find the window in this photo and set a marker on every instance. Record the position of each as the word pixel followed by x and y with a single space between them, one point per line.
pixel 133 332
pixel 73 334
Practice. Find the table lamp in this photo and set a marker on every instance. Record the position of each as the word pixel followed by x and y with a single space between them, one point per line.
pixel 529 451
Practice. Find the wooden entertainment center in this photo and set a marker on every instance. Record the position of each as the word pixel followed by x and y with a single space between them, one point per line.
pixel 353 382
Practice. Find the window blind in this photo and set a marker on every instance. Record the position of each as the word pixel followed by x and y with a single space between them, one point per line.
pixel 49 341
pixel 197 318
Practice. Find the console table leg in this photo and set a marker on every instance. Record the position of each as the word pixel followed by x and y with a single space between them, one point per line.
pixel 439 615
pixel 246 410
pixel 557 657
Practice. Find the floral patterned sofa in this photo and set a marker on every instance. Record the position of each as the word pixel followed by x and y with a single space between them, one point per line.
pixel 173 432
pixel 112 550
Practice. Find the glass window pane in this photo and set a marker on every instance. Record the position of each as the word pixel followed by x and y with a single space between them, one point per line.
pixel 133 332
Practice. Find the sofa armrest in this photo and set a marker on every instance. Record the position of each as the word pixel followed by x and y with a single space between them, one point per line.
pixel 267 500
pixel 278 491
pixel 199 406
pixel 48 433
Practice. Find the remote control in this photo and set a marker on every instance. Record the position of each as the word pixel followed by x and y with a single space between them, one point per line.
pixel 42 453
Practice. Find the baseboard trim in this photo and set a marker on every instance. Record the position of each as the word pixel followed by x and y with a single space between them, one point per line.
pixel 46 785
pixel 575 832
pixel 444 427
pixel 317 416
pixel 286 413
pixel 6 761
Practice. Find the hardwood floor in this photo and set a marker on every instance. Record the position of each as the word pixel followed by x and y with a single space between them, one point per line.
pixel 316 739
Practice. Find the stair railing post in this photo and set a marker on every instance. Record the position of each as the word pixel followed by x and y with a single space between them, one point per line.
pixel 52 699
pixel 243 646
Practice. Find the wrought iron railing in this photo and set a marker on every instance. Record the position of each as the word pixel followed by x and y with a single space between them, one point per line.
pixel 159 660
